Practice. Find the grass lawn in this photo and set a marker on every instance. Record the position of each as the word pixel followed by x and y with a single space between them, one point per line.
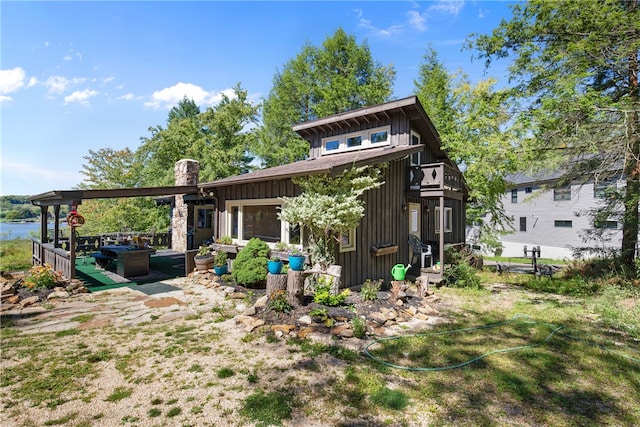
pixel 579 366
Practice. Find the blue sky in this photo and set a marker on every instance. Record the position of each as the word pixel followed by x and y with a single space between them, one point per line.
pixel 78 76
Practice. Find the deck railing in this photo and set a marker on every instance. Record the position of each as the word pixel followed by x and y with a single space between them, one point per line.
pixel 45 253
pixel 434 176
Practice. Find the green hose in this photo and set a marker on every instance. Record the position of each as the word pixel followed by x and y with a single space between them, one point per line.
pixel 554 330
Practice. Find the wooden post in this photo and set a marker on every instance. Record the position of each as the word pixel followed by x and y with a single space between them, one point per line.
pixel 334 272
pixel 295 287
pixel 276 282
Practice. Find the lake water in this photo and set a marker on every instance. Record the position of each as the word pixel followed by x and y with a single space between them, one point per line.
pixel 20 231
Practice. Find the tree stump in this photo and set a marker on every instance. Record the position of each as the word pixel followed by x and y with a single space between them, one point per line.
pixel 398 288
pixel 276 282
pixel 295 287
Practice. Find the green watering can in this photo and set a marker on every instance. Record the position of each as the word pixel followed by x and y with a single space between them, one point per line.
pixel 398 271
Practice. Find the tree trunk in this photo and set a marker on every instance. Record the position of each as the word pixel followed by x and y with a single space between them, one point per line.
pixel 276 282
pixel 334 272
pixel 295 287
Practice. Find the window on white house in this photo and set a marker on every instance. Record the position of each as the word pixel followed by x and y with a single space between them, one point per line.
pixel 528 190
pixel 332 145
pixel 611 225
pixel 563 193
pixel 448 219
pixel 354 141
pixel 563 223
pixel 523 223
pixel 603 187
pixel 514 195
pixel 379 137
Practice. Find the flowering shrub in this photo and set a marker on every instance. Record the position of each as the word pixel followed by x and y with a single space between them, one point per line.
pixel 43 277
pixel 278 302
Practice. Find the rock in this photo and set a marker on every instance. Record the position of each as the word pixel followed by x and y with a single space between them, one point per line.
pixel 342 331
pixel 253 325
pixel 62 294
pixel 341 314
pixel 261 302
pixel 29 301
pixel 13 299
pixel 237 295
pixel 411 310
pixel 432 298
pixel 7 275
pixel 283 329
pixel 428 310
pixel 390 314
pixel 379 318
pixel 421 316
pixel 241 307
pixel 305 320
pixel 251 311
pixel 399 303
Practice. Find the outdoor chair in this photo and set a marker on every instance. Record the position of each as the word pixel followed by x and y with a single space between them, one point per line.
pixel 420 250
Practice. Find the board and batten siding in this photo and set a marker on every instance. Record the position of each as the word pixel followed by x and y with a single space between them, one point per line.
pixel 385 222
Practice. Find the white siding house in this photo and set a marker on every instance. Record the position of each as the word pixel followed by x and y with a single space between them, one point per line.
pixel 554 219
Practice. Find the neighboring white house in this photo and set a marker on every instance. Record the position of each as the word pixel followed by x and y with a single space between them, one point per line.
pixel 555 219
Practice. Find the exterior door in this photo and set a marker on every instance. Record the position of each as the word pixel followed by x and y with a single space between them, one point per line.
pixel 204 223
pixel 415 226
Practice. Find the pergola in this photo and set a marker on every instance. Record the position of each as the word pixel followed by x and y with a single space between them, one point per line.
pixel 57 198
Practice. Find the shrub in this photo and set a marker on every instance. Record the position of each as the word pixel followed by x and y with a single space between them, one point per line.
pixel 43 277
pixel 225 240
pixel 359 326
pixel 250 266
pixel 278 302
pixel 323 295
pixel 370 288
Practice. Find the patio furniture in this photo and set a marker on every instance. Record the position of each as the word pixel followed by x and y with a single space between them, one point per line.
pixel 420 250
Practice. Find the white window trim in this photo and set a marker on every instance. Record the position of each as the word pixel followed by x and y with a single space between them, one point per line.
pixel 352 242
pixel 417 155
pixel 366 140
pixel 448 219
pixel 284 226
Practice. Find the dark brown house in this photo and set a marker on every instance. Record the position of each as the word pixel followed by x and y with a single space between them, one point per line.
pixel 423 189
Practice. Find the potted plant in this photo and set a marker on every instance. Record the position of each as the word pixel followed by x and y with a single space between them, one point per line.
pixel 220 264
pixel 204 258
pixel 274 265
pixel 296 259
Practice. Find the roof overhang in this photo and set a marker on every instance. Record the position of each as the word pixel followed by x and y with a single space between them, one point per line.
pixel 334 163
pixel 70 197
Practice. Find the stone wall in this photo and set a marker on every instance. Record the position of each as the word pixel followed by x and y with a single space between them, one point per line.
pixel 186 173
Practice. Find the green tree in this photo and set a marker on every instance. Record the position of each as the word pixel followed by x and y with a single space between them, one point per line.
pixel 339 76
pixel 218 138
pixel 575 69
pixel 109 168
pixel 474 124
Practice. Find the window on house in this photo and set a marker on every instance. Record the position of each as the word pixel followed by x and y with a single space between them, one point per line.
pixel 379 137
pixel 259 218
pixel 514 195
pixel 603 187
pixel 205 217
pixel 448 219
pixel 348 241
pixel 563 193
pixel 332 145
pixel 523 223
pixel 563 223
pixel 357 140
pixel 611 225
pixel 416 159
pixel 528 190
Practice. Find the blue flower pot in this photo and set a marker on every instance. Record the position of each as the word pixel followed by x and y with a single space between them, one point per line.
pixel 274 267
pixel 296 262
pixel 220 270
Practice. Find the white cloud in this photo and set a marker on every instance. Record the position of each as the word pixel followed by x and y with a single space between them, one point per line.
pixel 80 96
pixel 382 32
pixel 32 82
pixel 5 99
pixel 11 80
pixel 56 85
pixel 170 96
pixel 127 97
pixel 451 7
pixel 417 21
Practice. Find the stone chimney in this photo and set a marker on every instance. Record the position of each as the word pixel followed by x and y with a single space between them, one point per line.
pixel 186 173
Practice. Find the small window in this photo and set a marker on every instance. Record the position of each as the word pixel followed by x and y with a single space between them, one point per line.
pixel 528 190
pixel 514 195
pixel 448 219
pixel 348 241
pixel 354 141
pixel 563 223
pixel 563 193
pixel 331 145
pixel 379 137
pixel 611 225
pixel 602 188
pixel 523 223
pixel 416 159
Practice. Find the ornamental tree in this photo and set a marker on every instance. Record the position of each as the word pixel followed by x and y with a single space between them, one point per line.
pixel 329 207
